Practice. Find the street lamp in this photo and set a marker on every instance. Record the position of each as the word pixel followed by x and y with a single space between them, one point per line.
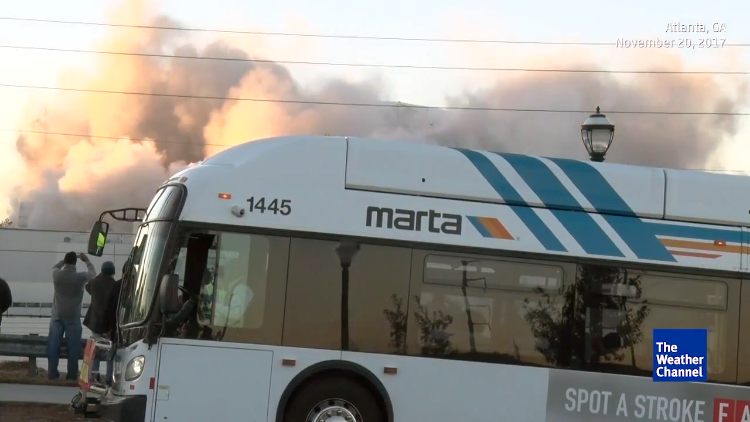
pixel 346 252
pixel 597 133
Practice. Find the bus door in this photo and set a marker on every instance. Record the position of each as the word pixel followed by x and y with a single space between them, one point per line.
pixel 199 377
pixel 212 382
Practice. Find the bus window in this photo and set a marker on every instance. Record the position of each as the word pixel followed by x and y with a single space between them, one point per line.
pixel 474 308
pixel 241 275
pixel 191 262
pixel 378 281
pixel 620 308
pixel 233 275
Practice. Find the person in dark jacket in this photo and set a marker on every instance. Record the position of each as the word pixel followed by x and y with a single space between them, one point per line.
pixel 99 289
pixel 6 299
pixel 109 320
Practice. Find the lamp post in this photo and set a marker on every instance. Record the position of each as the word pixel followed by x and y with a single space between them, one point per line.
pixel 346 252
pixel 597 134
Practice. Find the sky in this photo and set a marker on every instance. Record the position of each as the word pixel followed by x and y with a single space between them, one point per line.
pixel 478 19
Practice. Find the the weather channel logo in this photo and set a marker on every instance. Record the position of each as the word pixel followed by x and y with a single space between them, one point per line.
pixel 680 355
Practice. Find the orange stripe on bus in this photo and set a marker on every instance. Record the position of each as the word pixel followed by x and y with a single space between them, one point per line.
pixel 496 228
pixel 702 246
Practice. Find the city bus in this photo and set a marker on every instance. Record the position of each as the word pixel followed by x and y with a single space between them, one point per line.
pixel 317 279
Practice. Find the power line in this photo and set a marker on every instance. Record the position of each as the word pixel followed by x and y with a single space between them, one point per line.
pixel 376 105
pixel 348 36
pixel 164 141
pixel 114 138
pixel 373 65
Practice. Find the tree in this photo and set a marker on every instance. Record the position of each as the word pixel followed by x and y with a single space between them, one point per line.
pixel 397 320
pixel 560 323
pixel 433 330
pixel 6 222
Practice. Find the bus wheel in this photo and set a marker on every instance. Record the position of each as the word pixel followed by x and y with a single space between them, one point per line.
pixel 334 400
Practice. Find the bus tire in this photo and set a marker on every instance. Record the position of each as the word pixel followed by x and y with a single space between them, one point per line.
pixel 342 396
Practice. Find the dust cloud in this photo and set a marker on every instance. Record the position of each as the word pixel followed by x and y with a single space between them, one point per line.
pixel 70 180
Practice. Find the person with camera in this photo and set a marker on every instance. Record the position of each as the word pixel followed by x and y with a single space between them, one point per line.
pixel 65 320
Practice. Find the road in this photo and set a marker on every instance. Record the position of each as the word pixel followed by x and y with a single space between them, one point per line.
pixel 36 393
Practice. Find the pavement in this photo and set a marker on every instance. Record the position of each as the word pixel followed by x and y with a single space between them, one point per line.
pixel 37 393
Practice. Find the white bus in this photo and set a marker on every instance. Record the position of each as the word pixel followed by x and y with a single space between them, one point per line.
pixel 346 279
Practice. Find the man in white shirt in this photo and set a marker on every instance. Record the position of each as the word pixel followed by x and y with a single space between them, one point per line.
pixel 230 309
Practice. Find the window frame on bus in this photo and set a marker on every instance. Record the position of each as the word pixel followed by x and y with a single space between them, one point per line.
pixel 569 265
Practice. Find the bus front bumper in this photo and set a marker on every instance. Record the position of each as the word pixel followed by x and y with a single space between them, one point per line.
pixel 113 408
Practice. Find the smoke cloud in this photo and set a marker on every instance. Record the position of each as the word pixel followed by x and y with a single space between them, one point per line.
pixel 71 180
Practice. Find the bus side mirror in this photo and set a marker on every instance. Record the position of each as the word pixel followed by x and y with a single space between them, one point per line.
pixel 168 294
pixel 98 238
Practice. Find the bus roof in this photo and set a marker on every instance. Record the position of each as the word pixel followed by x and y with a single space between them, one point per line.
pixel 339 174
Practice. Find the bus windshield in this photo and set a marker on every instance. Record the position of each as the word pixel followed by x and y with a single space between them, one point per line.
pixel 139 288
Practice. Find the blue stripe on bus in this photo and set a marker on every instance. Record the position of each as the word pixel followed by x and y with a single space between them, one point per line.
pixel 511 197
pixel 539 229
pixel 639 237
pixel 692 232
pixel 594 187
pixel 553 194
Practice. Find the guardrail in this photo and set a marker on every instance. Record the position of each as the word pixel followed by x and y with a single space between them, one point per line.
pixel 34 309
pixel 31 346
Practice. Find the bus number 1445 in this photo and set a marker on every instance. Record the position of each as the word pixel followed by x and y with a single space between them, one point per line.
pixel 276 206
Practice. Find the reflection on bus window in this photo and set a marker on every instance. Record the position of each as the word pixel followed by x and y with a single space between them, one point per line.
pixel 205 311
pixel 491 274
pixel 242 269
pixel 480 309
pixel 621 308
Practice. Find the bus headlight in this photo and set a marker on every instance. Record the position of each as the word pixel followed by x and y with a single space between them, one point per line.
pixel 134 368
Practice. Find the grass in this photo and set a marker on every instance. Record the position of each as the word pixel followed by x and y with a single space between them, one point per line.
pixel 14 372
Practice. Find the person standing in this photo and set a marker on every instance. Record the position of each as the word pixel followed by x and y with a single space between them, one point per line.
pixel 66 313
pixel 6 299
pixel 99 288
pixel 109 319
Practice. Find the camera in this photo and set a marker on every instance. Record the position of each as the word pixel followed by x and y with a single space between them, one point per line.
pixel 238 211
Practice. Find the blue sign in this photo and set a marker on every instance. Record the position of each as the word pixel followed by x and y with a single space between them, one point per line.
pixel 680 355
